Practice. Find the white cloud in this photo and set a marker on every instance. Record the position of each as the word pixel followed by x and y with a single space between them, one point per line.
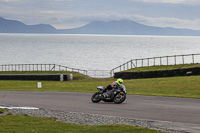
pixel 12 0
pixel 168 22
pixel 67 17
pixel 151 21
pixel 73 19
pixel 188 2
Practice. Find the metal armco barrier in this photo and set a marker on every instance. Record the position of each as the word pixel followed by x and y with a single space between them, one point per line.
pixel 38 77
pixel 157 74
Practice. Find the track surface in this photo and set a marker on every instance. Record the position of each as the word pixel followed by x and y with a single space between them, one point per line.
pixel 184 110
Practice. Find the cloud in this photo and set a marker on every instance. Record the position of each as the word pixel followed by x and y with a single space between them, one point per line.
pixel 73 19
pixel 168 22
pixel 187 2
pixel 12 0
pixel 72 13
pixel 151 21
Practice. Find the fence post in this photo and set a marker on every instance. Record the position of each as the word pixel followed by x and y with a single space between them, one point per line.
pixel 136 62
pixel 142 62
pixel 183 58
pixel 193 58
pixel 160 61
pixel 175 59
pixel 59 67
pixel 111 73
pixel 167 61
pixel 29 67
pixel 54 67
pixel 132 64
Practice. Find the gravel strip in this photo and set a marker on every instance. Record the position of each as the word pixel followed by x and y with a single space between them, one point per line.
pixel 92 119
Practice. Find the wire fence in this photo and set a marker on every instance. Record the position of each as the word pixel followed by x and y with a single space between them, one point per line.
pixel 54 67
pixel 39 67
pixel 99 73
pixel 163 60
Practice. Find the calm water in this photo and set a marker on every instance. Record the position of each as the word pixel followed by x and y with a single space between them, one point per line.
pixel 96 52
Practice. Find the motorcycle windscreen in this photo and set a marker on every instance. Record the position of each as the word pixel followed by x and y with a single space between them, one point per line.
pixel 100 88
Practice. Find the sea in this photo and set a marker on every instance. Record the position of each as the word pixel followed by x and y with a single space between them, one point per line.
pixel 90 52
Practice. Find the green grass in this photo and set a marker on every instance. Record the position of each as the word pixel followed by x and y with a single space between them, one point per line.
pixel 76 75
pixel 173 86
pixel 75 86
pixel 187 86
pixel 3 110
pixel 162 67
pixel 27 124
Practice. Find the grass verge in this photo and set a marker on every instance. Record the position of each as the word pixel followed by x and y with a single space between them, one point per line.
pixel 162 67
pixel 28 124
pixel 3 110
pixel 187 86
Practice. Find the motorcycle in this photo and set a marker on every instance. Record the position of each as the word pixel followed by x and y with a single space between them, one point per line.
pixel 115 95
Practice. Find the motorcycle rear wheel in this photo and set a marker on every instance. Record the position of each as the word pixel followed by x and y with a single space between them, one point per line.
pixel 119 98
pixel 96 97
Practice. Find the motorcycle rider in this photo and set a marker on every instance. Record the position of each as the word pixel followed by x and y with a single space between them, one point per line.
pixel 115 85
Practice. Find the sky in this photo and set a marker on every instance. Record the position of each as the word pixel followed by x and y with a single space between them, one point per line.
pixel 67 14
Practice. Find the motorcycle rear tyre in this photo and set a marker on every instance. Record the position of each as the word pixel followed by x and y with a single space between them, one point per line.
pixel 95 98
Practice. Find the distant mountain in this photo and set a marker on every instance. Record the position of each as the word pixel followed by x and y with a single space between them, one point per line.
pixel 13 26
pixel 124 27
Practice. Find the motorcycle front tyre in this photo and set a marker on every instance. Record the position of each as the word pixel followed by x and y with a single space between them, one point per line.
pixel 96 97
pixel 122 99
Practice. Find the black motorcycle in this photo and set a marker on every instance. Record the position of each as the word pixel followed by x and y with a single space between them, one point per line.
pixel 117 95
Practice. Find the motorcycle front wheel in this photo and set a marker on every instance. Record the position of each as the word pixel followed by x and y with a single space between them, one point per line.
pixel 96 97
pixel 119 98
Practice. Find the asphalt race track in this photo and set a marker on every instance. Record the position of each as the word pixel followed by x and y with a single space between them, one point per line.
pixel 154 108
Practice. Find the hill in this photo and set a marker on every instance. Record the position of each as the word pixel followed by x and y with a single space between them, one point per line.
pixel 13 26
pixel 126 27
pixel 123 27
